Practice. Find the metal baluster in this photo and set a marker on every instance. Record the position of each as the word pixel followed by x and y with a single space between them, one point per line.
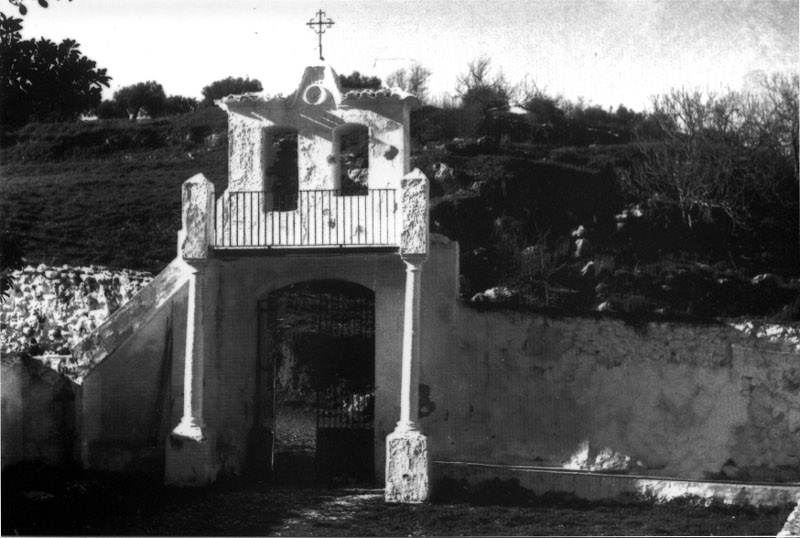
pixel 393 219
pixel 314 217
pixel 237 218
pixel 380 217
pixel 328 224
pixel 307 215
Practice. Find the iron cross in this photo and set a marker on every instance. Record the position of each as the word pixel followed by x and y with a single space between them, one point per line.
pixel 321 25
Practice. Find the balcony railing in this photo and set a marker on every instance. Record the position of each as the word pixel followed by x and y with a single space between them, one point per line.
pixel 323 218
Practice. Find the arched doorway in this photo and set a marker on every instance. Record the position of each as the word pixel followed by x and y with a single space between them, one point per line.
pixel 317 375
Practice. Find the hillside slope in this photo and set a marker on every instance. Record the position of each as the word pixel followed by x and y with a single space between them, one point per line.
pixel 546 226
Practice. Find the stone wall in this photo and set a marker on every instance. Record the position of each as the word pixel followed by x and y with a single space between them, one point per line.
pixel 664 399
pixel 107 403
pixel 498 387
pixel 51 309
pixel 38 413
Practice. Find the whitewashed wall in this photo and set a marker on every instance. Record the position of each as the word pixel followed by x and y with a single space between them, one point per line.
pixel 666 399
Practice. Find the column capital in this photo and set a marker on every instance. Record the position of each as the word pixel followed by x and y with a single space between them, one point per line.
pixel 197 265
pixel 414 261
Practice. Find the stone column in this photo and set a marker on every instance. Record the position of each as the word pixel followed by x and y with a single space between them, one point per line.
pixel 191 425
pixel 190 454
pixel 409 378
pixel 406 447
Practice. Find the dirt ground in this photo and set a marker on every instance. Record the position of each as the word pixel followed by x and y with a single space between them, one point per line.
pixel 46 501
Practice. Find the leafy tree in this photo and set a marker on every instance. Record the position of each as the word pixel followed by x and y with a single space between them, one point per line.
pixel 23 9
pixel 109 109
pixel 44 81
pixel 413 79
pixel 229 86
pixel 148 96
pixel 357 81
pixel 178 104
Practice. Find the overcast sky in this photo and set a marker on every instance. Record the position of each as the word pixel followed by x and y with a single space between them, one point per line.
pixel 608 52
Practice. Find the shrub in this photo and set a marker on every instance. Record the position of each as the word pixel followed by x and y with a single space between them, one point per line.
pixel 229 86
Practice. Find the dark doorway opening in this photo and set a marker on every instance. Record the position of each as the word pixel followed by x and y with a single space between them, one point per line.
pixel 280 160
pixel 318 354
pixel 353 152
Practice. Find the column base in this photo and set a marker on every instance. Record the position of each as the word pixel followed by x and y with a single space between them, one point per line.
pixel 407 467
pixel 190 461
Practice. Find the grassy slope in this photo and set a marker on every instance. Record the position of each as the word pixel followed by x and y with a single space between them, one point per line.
pixel 108 193
pixel 118 207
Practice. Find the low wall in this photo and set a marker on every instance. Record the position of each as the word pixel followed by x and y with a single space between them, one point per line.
pixel 129 396
pixel 662 399
pixel 38 413
pixel 110 403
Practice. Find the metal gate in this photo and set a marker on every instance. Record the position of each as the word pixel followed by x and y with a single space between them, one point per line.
pixel 341 314
pixel 345 432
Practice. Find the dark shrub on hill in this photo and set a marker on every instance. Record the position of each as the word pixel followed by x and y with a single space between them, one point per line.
pixel 357 81
pixel 178 104
pixel 110 109
pixel 229 86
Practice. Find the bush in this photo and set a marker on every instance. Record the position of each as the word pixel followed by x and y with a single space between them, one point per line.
pixel 229 86
pixel 109 109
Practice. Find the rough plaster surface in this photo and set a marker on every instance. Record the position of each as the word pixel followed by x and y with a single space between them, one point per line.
pixel 792 526
pixel 245 171
pixel 197 233
pixel 414 228
pixel 133 398
pixel 407 467
pixel 36 413
pixel 250 119
pixel 676 400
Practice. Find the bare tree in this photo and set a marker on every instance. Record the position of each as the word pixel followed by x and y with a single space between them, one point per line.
pixel 714 154
pixel 477 74
pixel 782 93
pixel 782 112
pixel 479 87
pixel 413 79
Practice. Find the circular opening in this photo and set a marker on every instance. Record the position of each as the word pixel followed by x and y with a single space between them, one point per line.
pixel 314 95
